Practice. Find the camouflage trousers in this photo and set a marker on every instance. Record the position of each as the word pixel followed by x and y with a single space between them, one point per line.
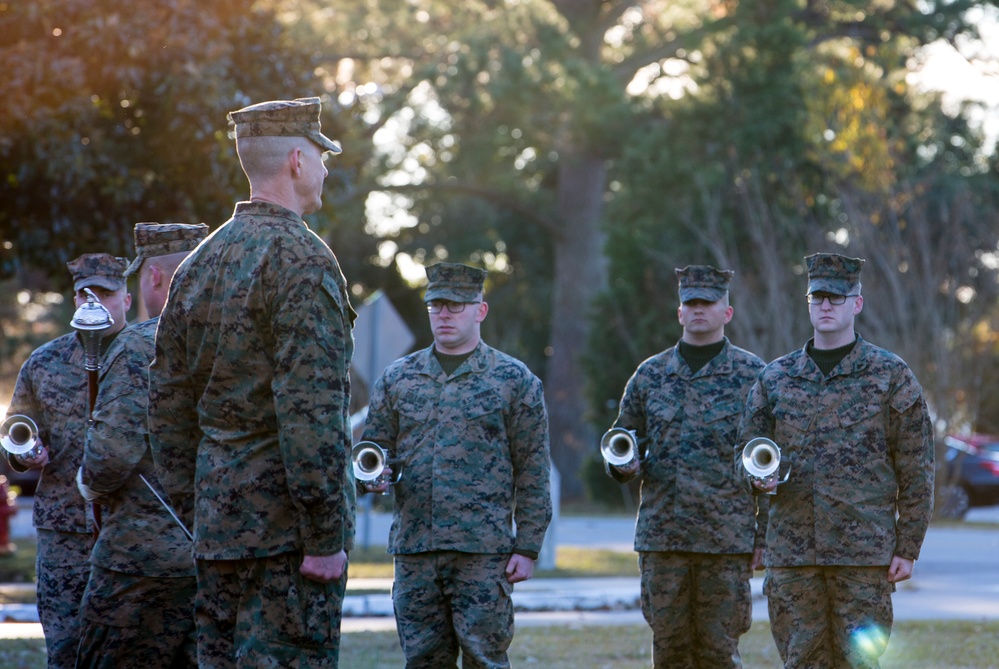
pixel 830 617
pixel 262 613
pixel 698 605
pixel 446 601
pixel 137 621
pixel 62 569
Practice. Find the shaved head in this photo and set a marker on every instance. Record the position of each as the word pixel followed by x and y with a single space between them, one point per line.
pixel 264 157
pixel 168 263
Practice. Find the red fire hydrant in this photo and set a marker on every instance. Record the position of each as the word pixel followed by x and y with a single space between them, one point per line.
pixel 8 507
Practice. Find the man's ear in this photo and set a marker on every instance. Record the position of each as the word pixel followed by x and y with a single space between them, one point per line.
pixel 155 275
pixel 295 159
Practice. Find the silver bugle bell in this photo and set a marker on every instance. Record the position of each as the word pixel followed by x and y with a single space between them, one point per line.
pixel 761 460
pixel 619 446
pixel 369 460
pixel 19 435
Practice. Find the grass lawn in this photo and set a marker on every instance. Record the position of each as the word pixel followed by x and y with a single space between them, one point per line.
pixel 914 645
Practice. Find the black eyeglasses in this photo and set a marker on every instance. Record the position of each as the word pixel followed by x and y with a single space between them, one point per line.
pixel 454 307
pixel 836 300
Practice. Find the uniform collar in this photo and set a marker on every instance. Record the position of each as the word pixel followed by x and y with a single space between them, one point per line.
pixel 854 362
pixel 477 362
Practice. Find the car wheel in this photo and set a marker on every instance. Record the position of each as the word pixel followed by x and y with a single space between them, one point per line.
pixel 952 502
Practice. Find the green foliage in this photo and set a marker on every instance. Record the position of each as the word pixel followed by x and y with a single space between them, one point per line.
pixel 26 322
pixel 802 135
pixel 602 489
pixel 116 115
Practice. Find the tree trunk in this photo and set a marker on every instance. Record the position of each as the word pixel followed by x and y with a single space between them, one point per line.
pixel 580 274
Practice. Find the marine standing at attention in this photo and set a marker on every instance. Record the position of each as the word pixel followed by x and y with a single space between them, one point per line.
pixel 248 407
pixel 470 427
pixel 696 536
pixel 52 390
pixel 848 524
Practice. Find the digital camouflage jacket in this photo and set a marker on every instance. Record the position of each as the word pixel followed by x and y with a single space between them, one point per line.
pixel 249 390
pixel 475 452
pixel 52 390
pixel 860 448
pixel 693 497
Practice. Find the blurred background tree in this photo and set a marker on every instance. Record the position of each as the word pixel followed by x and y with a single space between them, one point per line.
pixel 579 150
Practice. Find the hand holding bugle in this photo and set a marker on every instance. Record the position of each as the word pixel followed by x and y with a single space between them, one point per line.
pixel 761 460
pixel 19 436
pixel 370 461
pixel 619 446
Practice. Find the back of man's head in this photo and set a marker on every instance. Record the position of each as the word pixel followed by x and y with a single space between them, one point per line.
pixel 159 249
pixel 265 158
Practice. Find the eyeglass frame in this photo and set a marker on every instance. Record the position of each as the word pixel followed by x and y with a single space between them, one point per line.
pixel 450 304
pixel 834 299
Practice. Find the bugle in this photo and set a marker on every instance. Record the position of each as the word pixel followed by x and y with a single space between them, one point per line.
pixel 761 460
pixel 619 446
pixel 19 436
pixel 369 461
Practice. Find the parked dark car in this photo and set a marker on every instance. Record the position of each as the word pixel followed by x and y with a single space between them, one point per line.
pixel 969 474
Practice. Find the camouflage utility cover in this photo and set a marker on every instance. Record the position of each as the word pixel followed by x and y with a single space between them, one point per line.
pixel 283 118
pixel 138 536
pixel 703 282
pixel 98 269
pixel 693 497
pixel 833 273
pixel 475 451
pixel 249 392
pixel 454 281
pixel 860 446
pixel 161 239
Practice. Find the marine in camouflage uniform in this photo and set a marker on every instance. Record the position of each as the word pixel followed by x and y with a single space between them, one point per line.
pixel 138 608
pixel 848 524
pixel 51 389
pixel 248 402
pixel 470 427
pixel 696 533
